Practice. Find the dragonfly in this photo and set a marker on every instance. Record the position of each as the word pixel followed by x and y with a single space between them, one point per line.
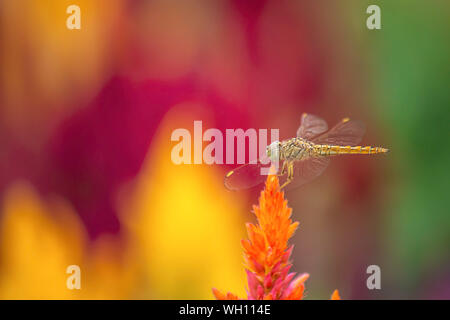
pixel 304 157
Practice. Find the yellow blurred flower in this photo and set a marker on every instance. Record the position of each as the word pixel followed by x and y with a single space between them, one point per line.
pixel 46 65
pixel 38 243
pixel 40 240
pixel 110 270
pixel 185 221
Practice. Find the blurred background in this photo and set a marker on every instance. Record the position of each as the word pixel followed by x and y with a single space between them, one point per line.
pixel 86 117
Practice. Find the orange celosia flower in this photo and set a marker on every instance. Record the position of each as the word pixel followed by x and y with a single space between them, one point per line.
pixel 267 253
pixel 335 295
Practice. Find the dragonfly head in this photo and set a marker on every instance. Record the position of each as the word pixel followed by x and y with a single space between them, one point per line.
pixel 273 151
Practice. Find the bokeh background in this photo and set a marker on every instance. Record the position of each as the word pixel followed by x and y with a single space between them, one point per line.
pixel 86 117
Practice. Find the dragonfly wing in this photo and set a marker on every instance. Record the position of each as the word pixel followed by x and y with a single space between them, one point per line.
pixel 246 176
pixel 311 126
pixel 345 133
pixel 306 170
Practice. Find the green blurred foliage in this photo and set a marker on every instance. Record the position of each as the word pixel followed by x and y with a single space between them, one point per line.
pixel 411 67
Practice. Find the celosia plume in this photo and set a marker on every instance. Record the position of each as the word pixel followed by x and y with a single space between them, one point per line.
pixel 267 252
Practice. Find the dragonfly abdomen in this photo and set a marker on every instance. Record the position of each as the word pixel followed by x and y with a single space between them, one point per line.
pixel 326 150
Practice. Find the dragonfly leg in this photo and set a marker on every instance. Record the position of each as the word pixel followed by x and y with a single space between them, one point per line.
pixel 283 169
pixel 290 175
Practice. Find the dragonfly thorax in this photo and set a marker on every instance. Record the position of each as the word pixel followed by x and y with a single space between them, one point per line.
pixel 295 149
